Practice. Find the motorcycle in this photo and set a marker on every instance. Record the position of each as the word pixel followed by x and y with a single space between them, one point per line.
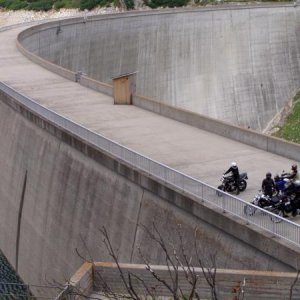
pixel 292 189
pixel 285 208
pixel 260 200
pixel 286 187
pixel 229 186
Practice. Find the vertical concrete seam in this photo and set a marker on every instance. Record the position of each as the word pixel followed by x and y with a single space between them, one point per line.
pixel 232 77
pixel 136 227
pixel 19 220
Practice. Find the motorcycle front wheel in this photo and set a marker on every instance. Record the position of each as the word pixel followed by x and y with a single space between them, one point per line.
pixel 249 210
pixel 278 212
pixel 242 185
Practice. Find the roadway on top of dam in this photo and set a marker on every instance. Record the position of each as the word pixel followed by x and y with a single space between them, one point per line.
pixel 195 152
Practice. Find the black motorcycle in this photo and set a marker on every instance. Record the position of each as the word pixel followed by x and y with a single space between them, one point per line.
pixel 285 208
pixel 292 189
pixel 263 201
pixel 228 185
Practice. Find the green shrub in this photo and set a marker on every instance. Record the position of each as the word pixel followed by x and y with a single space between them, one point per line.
pixel 58 4
pixel 116 3
pixel 290 130
pixel 13 4
pixel 41 5
pixel 104 3
pixel 129 4
pixel 90 4
pixel 5 3
pixel 74 4
pixel 165 3
pixel 17 4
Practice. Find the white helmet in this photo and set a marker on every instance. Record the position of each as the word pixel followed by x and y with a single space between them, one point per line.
pixel 233 164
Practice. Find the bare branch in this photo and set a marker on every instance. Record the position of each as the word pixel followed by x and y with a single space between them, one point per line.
pixel 115 259
pixel 106 288
pixel 171 265
pixel 293 284
pixel 148 267
pixel 149 290
pixel 189 270
pixel 208 272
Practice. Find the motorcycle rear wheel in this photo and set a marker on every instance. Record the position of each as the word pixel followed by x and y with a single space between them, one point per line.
pixel 242 185
pixel 274 218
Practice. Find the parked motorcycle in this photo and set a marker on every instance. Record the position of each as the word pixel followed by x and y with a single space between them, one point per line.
pixel 229 186
pixel 286 187
pixel 261 200
pixel 285 208
pixel 292 189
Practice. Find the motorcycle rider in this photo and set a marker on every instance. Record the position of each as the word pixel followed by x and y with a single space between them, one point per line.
pixel 235 175
pixel 268 185
pixel 293 175
pixel 290 188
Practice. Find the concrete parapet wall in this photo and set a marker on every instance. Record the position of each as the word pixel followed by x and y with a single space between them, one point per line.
pixel 240 65
pixel 229 283
pixel 49 66
pixel 81 283
pixel 73 76
pixel 73 188
pixel 96 85
pixel 246 136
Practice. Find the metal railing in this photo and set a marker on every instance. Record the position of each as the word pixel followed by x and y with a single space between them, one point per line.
pixel 203 192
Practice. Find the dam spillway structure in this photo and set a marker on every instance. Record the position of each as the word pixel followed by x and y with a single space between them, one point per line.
pixel 58 186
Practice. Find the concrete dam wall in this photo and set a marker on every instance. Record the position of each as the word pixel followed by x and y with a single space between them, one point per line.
pixel 57 191
pixel 236 65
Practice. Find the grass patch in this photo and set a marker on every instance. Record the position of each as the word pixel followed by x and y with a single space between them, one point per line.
pixel 290 130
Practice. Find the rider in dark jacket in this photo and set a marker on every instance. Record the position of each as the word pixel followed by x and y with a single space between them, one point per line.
pixel 268 185
pixel 235 174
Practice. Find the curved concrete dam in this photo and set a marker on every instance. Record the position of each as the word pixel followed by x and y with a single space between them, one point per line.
pixel 57 188
pixel 236 65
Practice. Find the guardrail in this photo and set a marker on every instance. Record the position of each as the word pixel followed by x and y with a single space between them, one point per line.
pixel 201 191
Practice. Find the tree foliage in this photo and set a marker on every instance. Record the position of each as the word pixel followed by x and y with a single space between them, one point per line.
pixel 45 5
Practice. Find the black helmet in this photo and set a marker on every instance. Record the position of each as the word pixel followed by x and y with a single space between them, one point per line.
pixel 268 175
pixel 276 177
